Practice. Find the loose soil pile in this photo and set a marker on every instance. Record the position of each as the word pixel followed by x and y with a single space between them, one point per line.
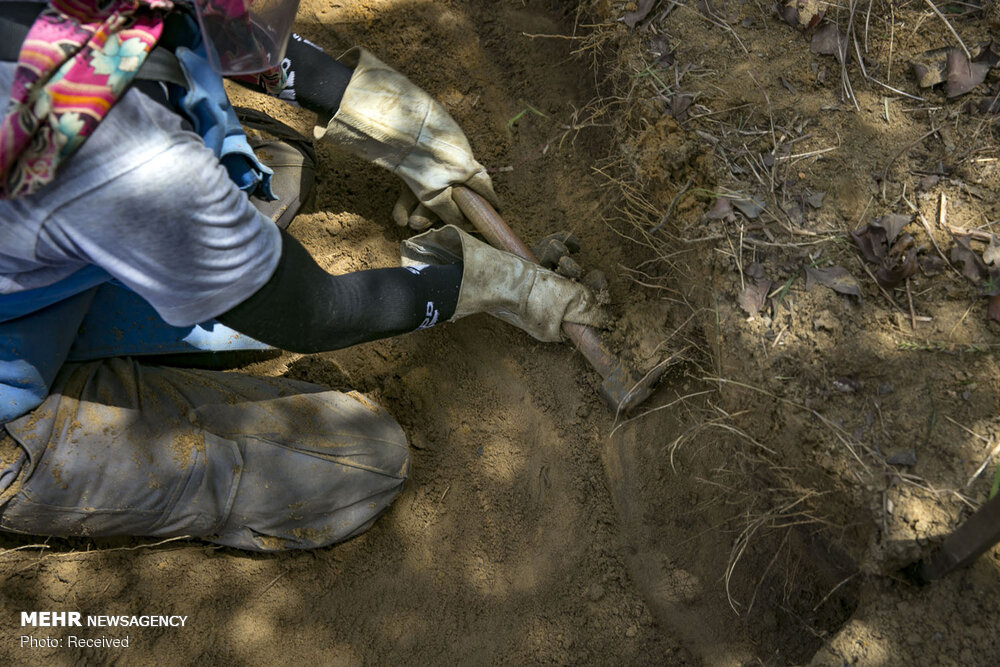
pixel 804 445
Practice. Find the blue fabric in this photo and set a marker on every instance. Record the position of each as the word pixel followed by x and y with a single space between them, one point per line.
pixel 19 304
pixel 119 322
pixel 33 348
pixel 108 320
pixel 205 104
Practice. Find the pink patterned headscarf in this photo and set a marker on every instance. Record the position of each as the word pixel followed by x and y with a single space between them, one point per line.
pixel 76 61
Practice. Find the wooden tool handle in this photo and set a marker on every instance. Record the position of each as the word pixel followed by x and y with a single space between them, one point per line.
pixel 620 389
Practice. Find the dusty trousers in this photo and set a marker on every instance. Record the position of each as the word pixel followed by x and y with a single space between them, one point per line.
pixel 123 448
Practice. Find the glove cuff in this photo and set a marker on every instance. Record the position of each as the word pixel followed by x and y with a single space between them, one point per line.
pixel 504 285
pixel 380 117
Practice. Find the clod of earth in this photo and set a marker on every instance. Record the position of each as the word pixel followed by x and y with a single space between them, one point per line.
pixel 932 265
pixel 929 67
pixel 569 239
pixel 597 282
pixel 549 252
pixel 992 253
pixel 569 268
pixel 803 14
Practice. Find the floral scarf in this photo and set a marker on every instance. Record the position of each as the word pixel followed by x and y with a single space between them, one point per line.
pixel 76 61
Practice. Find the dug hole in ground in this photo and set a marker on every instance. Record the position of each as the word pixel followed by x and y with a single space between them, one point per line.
pixel 792 216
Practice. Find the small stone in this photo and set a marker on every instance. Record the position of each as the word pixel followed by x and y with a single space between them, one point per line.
pixel 825 321
pixel 928 182
pixel 570 239
pixel 569 268
pixel 595 592
pixel 549 251
pixel 847 385
pixel 904 458
pixel 885 388
pixel 632 631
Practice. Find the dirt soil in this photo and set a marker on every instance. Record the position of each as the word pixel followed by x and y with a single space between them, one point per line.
pixel 804 445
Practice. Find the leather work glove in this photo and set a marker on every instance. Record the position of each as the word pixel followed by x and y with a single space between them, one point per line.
pixel 386 119
pixel 504 285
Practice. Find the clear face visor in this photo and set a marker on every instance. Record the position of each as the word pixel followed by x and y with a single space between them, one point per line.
pixel 245 36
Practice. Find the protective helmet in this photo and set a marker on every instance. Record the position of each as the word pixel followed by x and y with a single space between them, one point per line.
pixel 245 36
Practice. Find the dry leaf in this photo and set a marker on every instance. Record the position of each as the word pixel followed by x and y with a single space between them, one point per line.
pixel 679 105
pixel 753 297
pixel 789 14
pixel 871 241
pixel 994 308
pixel 829 41
pixel 931 265
pixel 796 214
pixel 722 210
pixel 751 207
pixel 963 256
pixel 961 75
pixel 987 54
pixel 836 278
pixel 892 224
pixel 877 236
pixel 641 11
pixel 816 199
pixel 895 270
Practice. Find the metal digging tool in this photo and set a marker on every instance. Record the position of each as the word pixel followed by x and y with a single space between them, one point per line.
pixel 969 541
pixel 622 389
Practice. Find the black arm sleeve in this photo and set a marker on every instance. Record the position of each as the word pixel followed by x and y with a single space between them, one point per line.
pixel 316 81
pixel 302 308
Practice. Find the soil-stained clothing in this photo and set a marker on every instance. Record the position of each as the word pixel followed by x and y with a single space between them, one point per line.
pixel 123 448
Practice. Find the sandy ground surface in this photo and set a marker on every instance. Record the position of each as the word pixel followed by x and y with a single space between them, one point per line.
pixel 794 458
